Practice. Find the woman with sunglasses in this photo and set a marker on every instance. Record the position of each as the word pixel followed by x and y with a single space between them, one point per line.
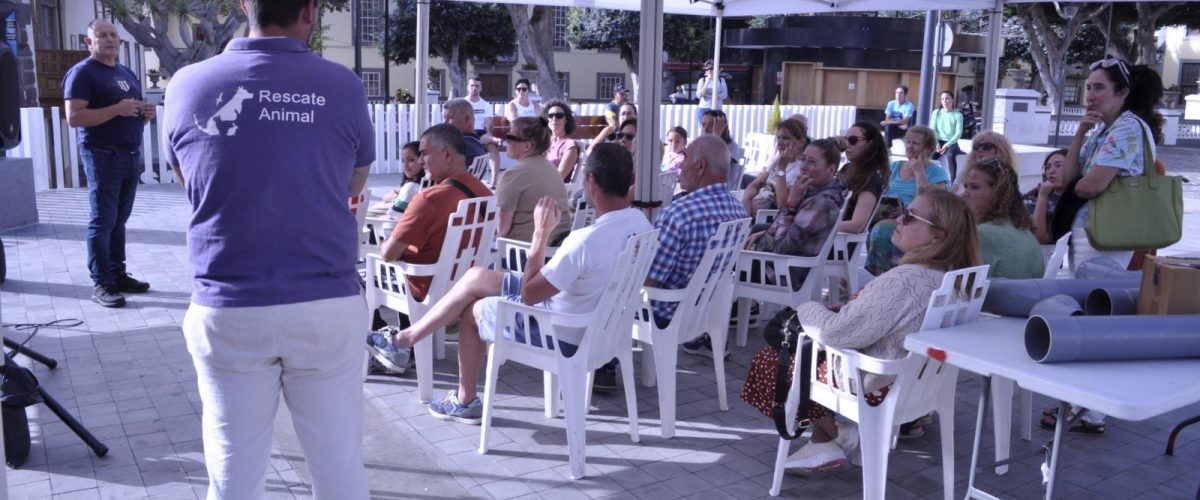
pixel 714 122
pixel 765 191
pixel 866 174
pixel 989 144
pixel 1006 240
pixel 625 112
pixel 937 234
pixel 909 177
pixel 947 122
pixel 521 105
pixel 1041 201
pixel 532 178
pixel 564 151
pixel 1119 125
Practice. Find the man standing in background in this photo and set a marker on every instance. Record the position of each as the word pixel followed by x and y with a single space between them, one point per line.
pixel 104 103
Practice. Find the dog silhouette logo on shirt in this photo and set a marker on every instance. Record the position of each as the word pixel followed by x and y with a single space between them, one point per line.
pixel 226 116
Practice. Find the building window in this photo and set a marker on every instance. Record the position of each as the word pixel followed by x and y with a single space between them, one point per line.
pixel 370 23
pixel 560 29
pixel 605 83
pixel 1071 94
pixel 48 22
pixel 564 82
pixel 373 82
pixel 1188 74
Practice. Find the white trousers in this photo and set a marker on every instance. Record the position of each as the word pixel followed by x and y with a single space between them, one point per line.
pixel 312 353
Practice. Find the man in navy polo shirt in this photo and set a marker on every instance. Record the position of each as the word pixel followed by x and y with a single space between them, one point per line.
pixel 270 141
pixel 104 102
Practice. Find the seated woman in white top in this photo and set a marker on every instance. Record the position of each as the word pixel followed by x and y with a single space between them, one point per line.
pixel 937 234
pixel 520 106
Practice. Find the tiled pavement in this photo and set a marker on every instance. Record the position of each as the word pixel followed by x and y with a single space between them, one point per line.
pixel 127 376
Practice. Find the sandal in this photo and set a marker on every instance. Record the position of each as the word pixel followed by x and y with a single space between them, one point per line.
pixel 1049 421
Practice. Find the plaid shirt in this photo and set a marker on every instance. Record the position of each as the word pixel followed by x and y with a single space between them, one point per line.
pixel 686 225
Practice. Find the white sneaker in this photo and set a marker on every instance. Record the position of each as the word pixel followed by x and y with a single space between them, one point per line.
pixel 848 439
pixel 816 458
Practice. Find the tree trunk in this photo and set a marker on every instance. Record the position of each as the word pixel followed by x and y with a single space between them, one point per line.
pixel 456 65
pixel 630 56
pixel 1144 39
pixel 535 35
pixel 1047 48
pixel 151 31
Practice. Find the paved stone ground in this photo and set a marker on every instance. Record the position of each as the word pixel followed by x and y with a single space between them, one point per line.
pixel 126 374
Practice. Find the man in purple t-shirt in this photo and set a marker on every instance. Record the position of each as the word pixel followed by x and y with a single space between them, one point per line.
pixel 270 141
pixel 104 102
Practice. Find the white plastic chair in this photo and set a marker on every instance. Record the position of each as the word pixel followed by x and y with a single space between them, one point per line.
pixel 605 337
pixel 920 385
pixel 757 150
pixel 1056 255
pixel 585 215
pixel 703 308
pixel 481 168
pixel 666 185
pixel 844 263
pixel 469 231
pixel 767 277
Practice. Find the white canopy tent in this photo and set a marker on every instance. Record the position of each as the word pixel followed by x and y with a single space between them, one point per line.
pixel 650 51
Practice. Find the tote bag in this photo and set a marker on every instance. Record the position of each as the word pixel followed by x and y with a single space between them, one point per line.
pixel 1138 212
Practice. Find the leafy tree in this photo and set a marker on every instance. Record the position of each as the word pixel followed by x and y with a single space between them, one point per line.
pixel 458 32
pixel 535 35
pixel 684 37
pixel 204 26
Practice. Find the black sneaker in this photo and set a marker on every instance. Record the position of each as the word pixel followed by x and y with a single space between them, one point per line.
pixel 107 295
pixel 702 346
pixel 128 284
pixel 605 379
pixel 751 322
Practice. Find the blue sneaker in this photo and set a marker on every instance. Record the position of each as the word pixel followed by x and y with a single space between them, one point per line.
pixel 450 408
pixel 395 359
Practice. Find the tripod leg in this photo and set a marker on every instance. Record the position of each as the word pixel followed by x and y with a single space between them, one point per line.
pixel 75 426
pixel 50 363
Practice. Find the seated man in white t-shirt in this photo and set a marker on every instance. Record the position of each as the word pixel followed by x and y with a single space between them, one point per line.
pixel 571 282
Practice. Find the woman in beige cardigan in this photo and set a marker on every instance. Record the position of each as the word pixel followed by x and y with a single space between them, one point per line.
pixel 937 234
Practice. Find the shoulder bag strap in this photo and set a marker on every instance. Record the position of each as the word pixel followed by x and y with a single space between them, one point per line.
pixel 783 381
pixel 460 187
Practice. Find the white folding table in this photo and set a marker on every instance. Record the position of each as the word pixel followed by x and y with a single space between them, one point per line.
pixel 995 347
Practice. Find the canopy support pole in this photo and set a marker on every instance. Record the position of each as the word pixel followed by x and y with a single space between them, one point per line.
pixel 422 97
pixel 650 66
pixel 991 74
pixel 715 81
pixel 929 65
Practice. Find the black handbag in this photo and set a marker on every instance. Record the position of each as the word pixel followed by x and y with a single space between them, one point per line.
pixel 784 334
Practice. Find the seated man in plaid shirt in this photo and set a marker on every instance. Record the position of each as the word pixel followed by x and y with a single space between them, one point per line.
pixel 685 226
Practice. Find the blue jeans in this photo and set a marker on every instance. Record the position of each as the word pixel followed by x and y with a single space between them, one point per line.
pixel 112 177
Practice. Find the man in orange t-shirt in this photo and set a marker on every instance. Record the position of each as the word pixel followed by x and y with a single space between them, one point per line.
pixel 418 236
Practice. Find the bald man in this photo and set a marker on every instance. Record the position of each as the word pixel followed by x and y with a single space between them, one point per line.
pixel 685 226
pixel 104 104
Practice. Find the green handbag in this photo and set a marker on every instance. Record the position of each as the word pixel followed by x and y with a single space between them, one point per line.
pixel 1139 212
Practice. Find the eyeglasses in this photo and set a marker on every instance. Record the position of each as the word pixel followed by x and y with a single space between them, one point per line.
pixel 1110 62
pixel 515 138
pixel 556 116
pixel 622 136
pixel 907 215
pixel 985 146
pixel 522 89
pixel 853 140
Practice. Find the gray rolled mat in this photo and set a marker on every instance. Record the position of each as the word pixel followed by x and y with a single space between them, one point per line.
pixel 1057 305
pixel 1051 339
pixel 1017 297
pixel 1111 301
pixel 1105 268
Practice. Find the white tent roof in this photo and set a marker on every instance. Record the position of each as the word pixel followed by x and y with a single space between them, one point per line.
pixel 739 8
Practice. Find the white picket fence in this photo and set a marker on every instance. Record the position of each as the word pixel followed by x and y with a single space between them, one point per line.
pixel 55 152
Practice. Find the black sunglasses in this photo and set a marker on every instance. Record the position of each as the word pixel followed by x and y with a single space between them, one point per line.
pixel 986 146
pixel 853 140
pixel 617 136
pixel 556 116
pixel 522 89
pixel 515 138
